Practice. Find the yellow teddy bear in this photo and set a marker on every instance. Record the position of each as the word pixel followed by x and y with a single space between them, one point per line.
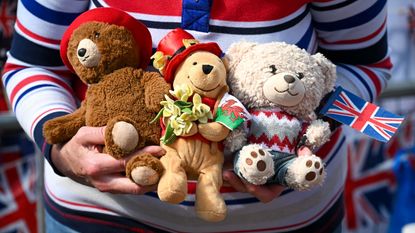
pixel 195 121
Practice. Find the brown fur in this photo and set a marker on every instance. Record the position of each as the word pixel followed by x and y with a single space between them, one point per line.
pixel 116 92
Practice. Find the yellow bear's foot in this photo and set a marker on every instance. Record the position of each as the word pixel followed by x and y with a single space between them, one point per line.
pixel 214 211
pixel 172 188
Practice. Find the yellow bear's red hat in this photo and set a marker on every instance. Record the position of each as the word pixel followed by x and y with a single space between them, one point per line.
pixel 175 47
pixel 116 17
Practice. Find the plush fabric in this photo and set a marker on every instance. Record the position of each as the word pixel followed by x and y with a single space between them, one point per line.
pixel 119 96
pixel 281 85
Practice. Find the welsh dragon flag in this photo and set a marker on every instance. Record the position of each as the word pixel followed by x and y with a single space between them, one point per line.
pixel 231 113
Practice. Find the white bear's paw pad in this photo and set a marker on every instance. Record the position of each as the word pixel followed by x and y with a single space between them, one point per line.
pixel 255 164
pixel 305 172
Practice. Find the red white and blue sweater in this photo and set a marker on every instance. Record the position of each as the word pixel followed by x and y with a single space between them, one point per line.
pixel 350 33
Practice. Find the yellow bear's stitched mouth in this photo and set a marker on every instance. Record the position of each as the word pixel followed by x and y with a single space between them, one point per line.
pixel 195 86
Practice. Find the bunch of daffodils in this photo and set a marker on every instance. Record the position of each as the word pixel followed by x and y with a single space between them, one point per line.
pixel 181 113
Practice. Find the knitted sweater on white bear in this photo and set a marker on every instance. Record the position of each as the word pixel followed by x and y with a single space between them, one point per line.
pixel 275 129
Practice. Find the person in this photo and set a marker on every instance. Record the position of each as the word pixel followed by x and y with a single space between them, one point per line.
pixel 84 190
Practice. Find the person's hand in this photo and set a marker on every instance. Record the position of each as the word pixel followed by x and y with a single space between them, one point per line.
pixel 82 160
pixel 264 193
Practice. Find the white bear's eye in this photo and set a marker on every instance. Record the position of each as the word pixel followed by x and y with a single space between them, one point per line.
pixel 273 69
pixel 300 75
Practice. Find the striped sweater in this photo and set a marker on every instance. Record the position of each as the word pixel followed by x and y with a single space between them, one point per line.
pixel 351 33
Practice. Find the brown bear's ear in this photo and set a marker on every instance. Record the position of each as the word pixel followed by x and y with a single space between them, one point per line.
pixel 235 53
pixel 329 71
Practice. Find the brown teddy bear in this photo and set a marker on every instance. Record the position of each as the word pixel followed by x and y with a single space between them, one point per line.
pixel 108 50
pixel 196 121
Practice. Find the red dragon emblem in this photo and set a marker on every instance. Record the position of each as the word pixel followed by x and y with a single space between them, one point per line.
pixel 235 112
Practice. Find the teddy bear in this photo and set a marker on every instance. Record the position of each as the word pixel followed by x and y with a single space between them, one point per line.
pixel 281 85
pixel 201 113
pixel 109 50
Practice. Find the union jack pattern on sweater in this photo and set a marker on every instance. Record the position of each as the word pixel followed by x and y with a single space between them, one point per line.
pixel 350 33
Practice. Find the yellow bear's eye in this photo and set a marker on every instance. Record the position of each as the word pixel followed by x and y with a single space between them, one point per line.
pixel 194 63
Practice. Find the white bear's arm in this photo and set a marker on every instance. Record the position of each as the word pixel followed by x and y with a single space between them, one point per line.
pixel 318 133
pixel 236 139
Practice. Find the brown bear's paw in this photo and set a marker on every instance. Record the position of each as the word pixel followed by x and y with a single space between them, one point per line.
pixel 255 164
pixel 144 169
pixel 121 138
pixel 305 172
pixel 144 176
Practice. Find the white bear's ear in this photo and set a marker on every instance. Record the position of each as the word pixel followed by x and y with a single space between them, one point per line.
pixel 329 71
pixel 235 53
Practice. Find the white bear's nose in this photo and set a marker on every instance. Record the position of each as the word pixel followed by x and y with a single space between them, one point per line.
pixel 289 78
pixel 88 53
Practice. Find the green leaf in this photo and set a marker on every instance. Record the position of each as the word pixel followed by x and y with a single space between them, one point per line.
pixel 183 104
pixel 158 116
pixel 187 110
pixel 169 135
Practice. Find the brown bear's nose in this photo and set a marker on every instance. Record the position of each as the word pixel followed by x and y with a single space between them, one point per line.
pixel 81 52
pixel 207 68
pixel 289 78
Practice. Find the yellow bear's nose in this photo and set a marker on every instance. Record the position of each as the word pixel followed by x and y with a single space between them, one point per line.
pixel 207 68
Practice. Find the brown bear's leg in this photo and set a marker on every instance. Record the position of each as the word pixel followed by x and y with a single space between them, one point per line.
pixel 210 205
pixel 63 128
pixel 121 137
pixel 172 187
pixel 144 169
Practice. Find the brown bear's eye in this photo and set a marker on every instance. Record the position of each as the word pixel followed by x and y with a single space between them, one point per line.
pixel 194 63
pixel 96 34
pixel 300 75
pixel 273 69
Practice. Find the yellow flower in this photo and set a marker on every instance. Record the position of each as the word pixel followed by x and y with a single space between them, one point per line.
pixel 180 126
pixel 169 108
pixel 188 117
pixel 159 61
pixel 201 110
pixel 182 92
pixel 189 42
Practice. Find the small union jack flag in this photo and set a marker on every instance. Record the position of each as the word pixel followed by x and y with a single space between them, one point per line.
pixel 363 116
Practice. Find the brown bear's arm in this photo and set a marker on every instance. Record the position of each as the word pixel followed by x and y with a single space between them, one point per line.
pixel 213 131
pixel 62 129
pixel 154 90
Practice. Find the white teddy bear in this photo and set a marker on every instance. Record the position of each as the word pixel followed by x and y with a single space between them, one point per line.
pixel 281 85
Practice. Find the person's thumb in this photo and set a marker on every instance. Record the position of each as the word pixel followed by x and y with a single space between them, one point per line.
pixel 91 135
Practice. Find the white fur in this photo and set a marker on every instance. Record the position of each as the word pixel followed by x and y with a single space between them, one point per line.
pixel 251 172
pixel 248 69
pixel 298 170
pixel 235 140
pixel 318 133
